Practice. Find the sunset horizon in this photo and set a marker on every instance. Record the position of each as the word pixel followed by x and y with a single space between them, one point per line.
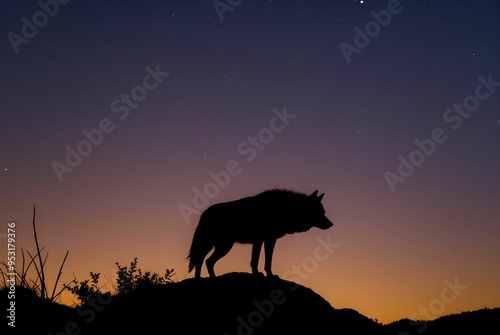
pixel 425 303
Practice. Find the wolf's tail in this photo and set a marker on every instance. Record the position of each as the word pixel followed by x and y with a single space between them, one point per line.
pixel 201 245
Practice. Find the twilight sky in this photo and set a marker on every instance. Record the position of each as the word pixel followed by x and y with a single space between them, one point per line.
pixel 117 115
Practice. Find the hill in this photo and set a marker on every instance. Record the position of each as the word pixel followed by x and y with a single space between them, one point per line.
pixel 33 315
pixel 235 303
pixel 476 322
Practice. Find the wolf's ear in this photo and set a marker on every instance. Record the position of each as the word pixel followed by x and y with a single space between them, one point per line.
pixel 321 196
pixel 314 194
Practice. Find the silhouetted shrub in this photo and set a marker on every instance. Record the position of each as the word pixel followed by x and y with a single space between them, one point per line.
pixel 133 277
pixel 129 278
pixel 82 290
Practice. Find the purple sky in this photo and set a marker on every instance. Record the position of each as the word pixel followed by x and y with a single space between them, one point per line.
pixel 352 122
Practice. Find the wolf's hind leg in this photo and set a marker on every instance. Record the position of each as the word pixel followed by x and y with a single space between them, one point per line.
pixel 268 249
pixel 197 270
pixel 220 251
pixel 254 263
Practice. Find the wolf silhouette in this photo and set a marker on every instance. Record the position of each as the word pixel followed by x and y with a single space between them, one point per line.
pixel 256 220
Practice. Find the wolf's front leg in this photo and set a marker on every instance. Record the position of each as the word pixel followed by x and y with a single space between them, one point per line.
pixel 254 263
pixel 268 249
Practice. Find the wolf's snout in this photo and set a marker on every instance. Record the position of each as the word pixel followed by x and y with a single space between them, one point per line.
pixel 325 224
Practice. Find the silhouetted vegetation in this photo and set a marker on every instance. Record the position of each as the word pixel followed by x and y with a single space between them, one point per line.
pixel 82 290
pixel 131 278
pixel 25 279
pixel 128 279
pixel 30 269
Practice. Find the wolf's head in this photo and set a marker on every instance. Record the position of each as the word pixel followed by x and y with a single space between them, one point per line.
pixel 310 213
pixel 317 217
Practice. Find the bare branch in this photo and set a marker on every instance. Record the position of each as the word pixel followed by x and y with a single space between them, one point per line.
pixel 58 276
pixel 41 273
